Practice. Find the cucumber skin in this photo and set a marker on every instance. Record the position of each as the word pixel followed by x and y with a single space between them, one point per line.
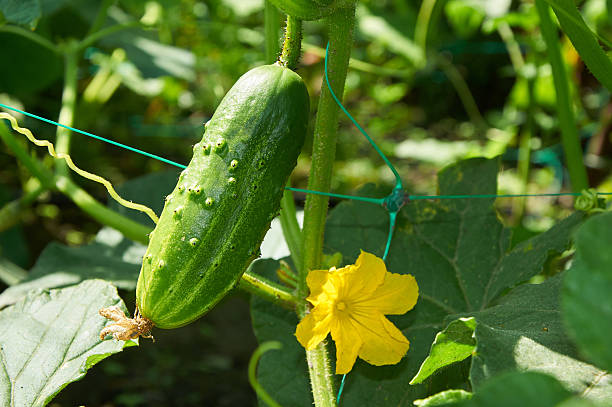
pixel 215 219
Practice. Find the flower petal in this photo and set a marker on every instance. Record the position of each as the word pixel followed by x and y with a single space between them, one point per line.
pixel 348 343
pixel 313 328
pixel 364 277
pixel 316 280
pixel 383 343
pixel 397 295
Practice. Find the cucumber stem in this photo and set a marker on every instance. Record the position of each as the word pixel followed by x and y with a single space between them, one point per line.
pixel 292 46
pixel 267 289
pixel 66 114
pixel 340 25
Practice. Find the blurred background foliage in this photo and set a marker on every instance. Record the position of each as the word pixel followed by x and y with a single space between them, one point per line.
pixel 432 81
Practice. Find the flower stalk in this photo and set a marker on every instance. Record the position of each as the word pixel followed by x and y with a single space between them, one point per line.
pixel 340 26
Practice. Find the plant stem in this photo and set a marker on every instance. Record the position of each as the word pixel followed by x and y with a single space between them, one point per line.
pixel 10 212
pixel 291 229
pixel 514 50
pixel 363 66
pixel 324 144
pixel 100 16
pixel 321 376
pixel 569 131
pixel 422 24
pixel 524 155
pixel 32 36
pixel 267 289
pixel 91 39
pixel 292 46
pixel 340 26
pixel 272 28
pixel 131 229
pixel 66 115
pixel 462 89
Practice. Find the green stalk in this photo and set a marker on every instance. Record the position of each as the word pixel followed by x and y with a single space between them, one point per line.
pixel 66 115
pixel 324 144
pixel 291 228
pixel 100 16
pixel 272 29
pixel 422 24
pixel 524 156
pixel 267 289
pixel 513 47
pixel 292 46
pixel 340 26
pixel 31 35
pixel 569 131
pixel 462 89
pixel 131 229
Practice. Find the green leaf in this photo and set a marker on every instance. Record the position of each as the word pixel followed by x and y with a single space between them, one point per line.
pixel 22 12
pixel 21 72
pixel 50 339
pixel 527 389
pixel 587 303
pixel 443 398
pixel 455 343
pixel 525 332
pixel 583 40
pixel 110 257
pixel 458 252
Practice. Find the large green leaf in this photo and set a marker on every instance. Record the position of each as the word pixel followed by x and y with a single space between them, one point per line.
pixel 110 257
pixel 23 12
pixel 583 40
pixel 528 389
pixel 587 295
pixel 50 339
pixel 27 66
pixel 458 252
pixel 525 332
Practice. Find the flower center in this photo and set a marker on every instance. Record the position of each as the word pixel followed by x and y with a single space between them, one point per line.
pixel 340 306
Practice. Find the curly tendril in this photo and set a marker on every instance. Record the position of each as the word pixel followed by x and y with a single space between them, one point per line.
pixel 93 177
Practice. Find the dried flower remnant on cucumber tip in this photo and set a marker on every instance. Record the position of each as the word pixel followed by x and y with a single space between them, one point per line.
pixel 125 328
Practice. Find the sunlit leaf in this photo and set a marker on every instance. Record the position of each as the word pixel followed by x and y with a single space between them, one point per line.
pixel 587 302
pixel 50 339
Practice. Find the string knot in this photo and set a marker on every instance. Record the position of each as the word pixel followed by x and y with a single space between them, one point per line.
pixel 395 200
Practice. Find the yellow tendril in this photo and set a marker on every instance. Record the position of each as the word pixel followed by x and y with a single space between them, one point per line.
pixel 73 167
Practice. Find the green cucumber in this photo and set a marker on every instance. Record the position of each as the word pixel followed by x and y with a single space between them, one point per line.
pixel 215 219
pixel 310 9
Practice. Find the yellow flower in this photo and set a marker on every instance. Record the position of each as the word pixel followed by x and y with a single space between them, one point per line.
pixel 351 303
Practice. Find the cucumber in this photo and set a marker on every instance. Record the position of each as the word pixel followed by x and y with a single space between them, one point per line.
pixel 310 9
pixel 215 219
